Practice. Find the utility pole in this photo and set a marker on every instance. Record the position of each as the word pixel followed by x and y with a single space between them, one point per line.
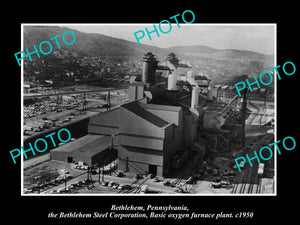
pixel 84 102
pixel 102 171
pixel 65 183
pixel 243 117
pixel 99 173
pixel 108 101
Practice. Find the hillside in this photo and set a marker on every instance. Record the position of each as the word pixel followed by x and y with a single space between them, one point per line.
pixel 199 50
pixel 88 44
pixel 95 55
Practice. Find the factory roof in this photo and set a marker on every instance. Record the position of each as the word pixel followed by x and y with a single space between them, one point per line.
pixel 224 87
pixel 138 110
pixel 161 107
pixel 86 145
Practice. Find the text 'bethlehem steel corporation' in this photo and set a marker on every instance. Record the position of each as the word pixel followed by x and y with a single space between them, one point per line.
pixel 151 212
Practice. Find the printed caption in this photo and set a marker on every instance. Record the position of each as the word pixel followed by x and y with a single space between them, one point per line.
pixel 121 212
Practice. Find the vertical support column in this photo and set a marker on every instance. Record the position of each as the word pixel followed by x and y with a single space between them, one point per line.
pixel 99 173
pixel 108 100
pixel 127 165
pixel 243 117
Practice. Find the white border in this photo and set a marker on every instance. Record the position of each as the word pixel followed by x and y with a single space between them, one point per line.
pixel 142 24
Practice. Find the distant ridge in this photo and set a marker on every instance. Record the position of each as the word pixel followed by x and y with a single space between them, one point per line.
pixel 193 48
pixel 204 50
pixel 92 44
pixel 215 63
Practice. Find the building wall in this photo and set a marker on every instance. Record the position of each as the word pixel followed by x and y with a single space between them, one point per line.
pixel 137 160
pixel 132 93
pixel 106 123
pixel 143 134
pixel 136 92
pixel 102 129
pixel 169 114
pixel 133 124
pixel 63 157
pixel 172 145
pixel 58 156
pixel 142 155
pixel 143 152
pixel 103 157
pixel 141 141
pixel 138 168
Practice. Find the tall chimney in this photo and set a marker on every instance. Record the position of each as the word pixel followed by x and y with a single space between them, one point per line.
pixel 149 68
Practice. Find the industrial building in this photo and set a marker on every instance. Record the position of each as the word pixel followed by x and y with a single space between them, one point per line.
pixel 170 115
pixel 89 149
pixel 227 92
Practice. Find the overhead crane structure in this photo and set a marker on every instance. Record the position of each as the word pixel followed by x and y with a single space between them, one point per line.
pixel 220 137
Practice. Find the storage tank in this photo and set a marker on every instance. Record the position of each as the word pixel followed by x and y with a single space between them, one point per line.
pixel 195 97
pixel 190 77
pixel 149 68
pixel 172 80
pixel 210 91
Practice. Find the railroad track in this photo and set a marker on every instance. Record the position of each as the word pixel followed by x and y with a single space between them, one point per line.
pixel 250 183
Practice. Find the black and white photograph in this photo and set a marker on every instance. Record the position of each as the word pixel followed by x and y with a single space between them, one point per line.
pixel 164 117
pixel 147 113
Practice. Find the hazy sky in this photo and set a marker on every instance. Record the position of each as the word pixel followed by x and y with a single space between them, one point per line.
pixel 253 37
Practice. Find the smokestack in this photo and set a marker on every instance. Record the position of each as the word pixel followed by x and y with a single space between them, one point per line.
pixel 149 68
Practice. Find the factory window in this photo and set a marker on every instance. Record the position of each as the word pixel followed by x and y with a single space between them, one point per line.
pixel 152 169
pixel 70 159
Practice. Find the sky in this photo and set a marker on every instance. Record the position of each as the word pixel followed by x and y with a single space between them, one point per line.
pixel 252 37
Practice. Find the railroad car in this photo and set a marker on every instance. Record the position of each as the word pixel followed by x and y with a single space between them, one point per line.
pixel 260 170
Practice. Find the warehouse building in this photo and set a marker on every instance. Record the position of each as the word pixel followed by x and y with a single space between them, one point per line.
pixel 89 149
